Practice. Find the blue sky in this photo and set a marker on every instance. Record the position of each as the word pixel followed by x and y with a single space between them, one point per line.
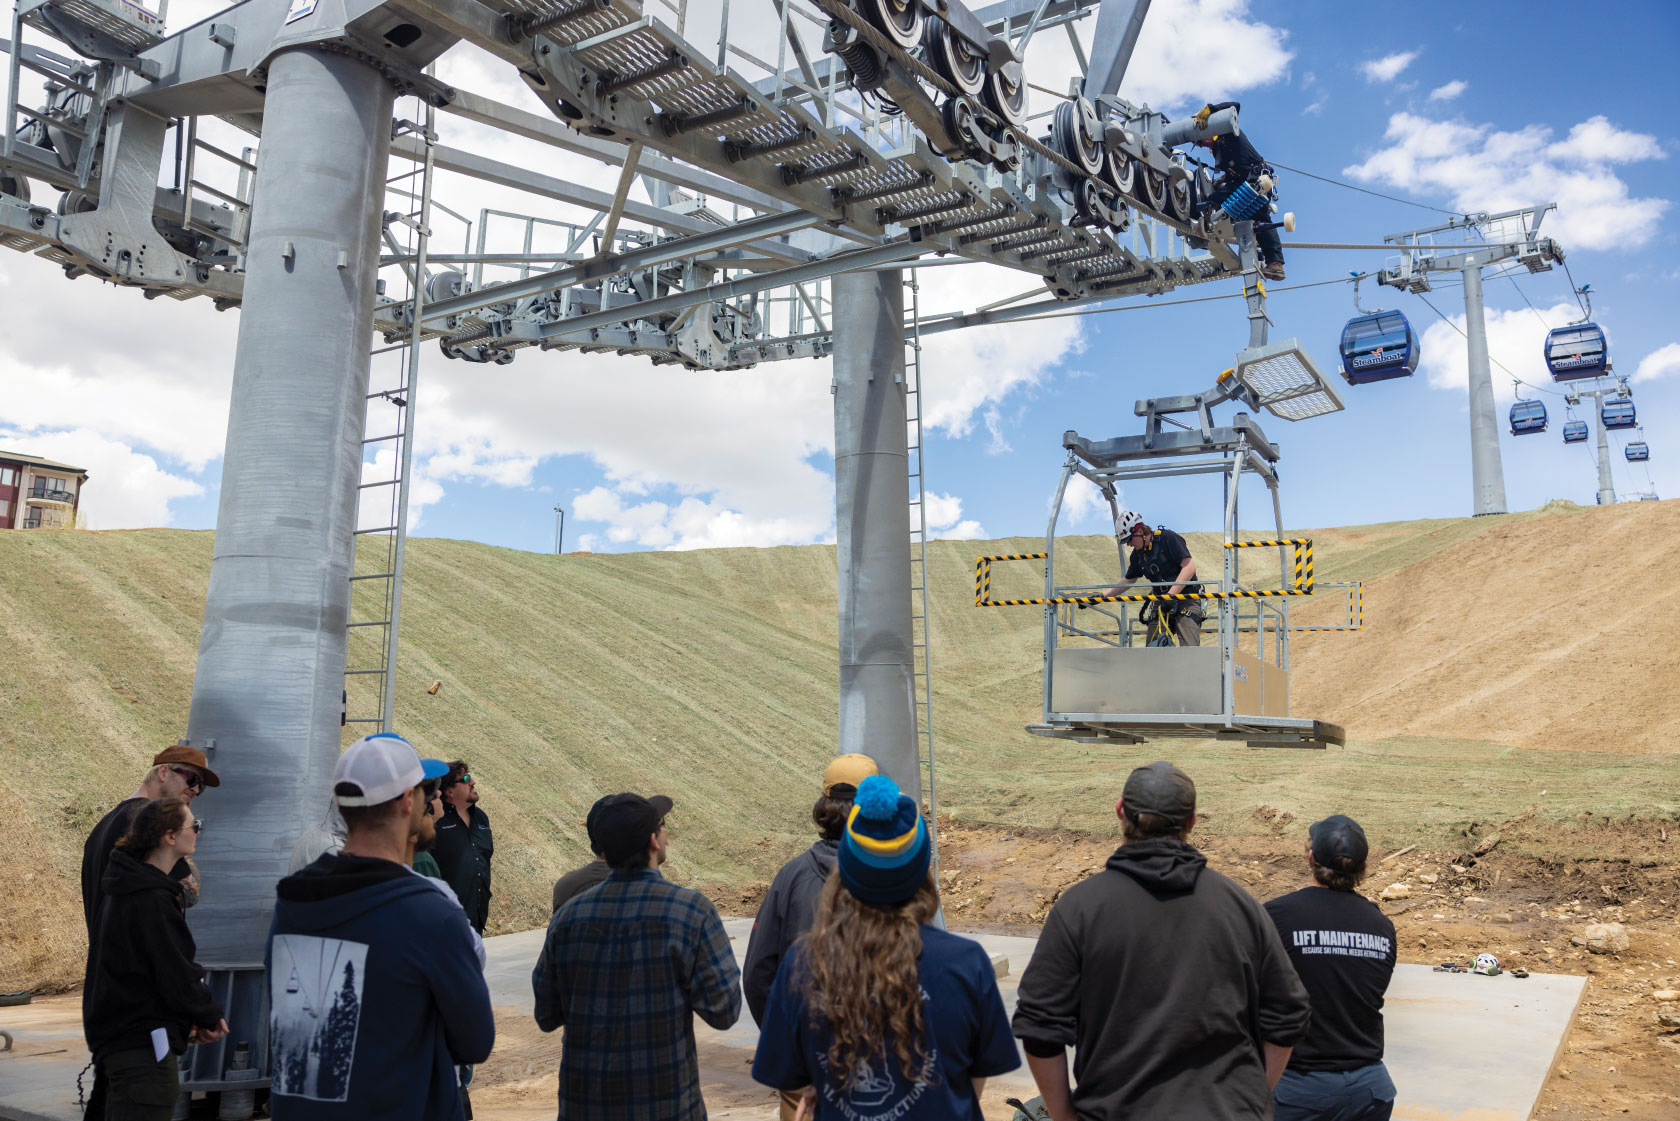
pixel 680 460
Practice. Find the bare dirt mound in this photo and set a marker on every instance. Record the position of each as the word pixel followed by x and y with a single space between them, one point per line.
pixel 1546 632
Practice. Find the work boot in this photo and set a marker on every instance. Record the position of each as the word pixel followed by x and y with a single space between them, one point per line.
pixel 1272 270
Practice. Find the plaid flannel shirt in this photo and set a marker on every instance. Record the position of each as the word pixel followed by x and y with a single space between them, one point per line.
pixel 624 968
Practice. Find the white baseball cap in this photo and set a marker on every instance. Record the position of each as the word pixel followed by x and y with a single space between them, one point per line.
pixel 382 766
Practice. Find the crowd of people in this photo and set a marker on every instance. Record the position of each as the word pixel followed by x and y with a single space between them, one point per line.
pixel 1178 994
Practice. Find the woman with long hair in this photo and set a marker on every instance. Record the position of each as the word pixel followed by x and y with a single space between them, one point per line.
pixel 877 1012
pixel 146 999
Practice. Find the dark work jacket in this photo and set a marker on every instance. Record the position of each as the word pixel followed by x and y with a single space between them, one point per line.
pixel 1234 154
pixel 1166 978
pixel 375 995
pixel 463 851
pixel 786 913
pixel 96 852
pixel 141 975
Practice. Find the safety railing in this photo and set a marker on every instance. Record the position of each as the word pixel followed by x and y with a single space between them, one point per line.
pixel 1300 585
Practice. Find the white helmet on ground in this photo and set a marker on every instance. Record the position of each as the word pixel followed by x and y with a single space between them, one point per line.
pixel 1487 965
pixel 1126 522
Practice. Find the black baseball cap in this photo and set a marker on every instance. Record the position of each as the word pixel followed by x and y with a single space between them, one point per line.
pixel 1338 843
pixel 620 825
pixel 1159 788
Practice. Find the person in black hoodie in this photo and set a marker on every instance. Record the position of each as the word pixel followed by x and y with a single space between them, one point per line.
pixel 791 903
pixel 375 992
pixel 145 998
pixel 1167 978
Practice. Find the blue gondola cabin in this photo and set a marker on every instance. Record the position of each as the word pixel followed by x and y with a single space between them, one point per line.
pixel 1528 417
pixel 1575 432
pixel 1618 412
pixel 1377 347
pixel 1637 451
pixel 1577 351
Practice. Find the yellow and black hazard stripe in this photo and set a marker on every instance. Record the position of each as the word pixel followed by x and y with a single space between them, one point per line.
pixel 1301 585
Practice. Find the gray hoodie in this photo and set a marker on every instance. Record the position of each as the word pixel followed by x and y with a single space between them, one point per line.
pixel 787 911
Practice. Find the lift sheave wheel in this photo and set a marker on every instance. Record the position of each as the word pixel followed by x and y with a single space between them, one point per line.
pixel 1071 134
pixel 1154 187
pixel 1006 93
pixel 1120 171
pixel 1178 194
pixel 956 60
pixel 901 20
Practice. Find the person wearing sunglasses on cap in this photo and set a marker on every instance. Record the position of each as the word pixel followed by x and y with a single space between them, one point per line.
pixel 465 845
pixel 145 1000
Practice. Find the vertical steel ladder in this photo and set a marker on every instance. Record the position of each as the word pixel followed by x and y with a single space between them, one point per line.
pixel 921 670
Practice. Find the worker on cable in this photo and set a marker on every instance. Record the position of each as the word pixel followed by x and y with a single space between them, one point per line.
pixel 1238 162
pixel 1161 557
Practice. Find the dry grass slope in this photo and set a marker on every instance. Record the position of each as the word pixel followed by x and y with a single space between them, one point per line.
pixel 711 676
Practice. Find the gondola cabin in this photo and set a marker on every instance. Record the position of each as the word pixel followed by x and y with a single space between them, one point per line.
pixel 1618 412
pixel 1638 451
pixel 1528 417
pixel 1377 347
pixel 1575 432
pixel 1577 351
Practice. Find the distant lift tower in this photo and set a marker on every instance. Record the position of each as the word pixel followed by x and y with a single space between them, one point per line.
pixel 1599 394
pixel 1501 237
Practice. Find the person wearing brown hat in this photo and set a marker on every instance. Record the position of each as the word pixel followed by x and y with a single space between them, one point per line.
pixel 625 968
pixel 1167 979
pixel 176 772
pixel 791 903
pixel 1343 947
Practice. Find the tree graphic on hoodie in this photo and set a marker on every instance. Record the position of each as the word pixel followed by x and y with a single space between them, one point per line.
pixel 337 1041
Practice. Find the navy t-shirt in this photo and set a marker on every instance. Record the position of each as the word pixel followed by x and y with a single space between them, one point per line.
pixel 969 1039
pixel 1161 563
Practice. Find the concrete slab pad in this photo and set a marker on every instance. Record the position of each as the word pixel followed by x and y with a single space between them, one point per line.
pixel 1460 1047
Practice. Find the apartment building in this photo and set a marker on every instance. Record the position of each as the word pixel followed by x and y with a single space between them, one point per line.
pixel 38 493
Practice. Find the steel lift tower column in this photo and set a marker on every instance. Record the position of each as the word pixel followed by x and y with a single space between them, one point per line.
pixel 267 697
pixel 1511 236
pixel 871 473
pixel 1487 472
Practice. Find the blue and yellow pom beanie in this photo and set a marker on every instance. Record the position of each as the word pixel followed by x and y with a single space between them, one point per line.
pixel 884 854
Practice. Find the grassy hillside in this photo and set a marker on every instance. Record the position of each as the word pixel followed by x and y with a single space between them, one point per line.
pixel 711 676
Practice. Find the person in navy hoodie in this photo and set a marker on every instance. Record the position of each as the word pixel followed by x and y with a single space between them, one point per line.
pixel 363 958
pixel 882 1015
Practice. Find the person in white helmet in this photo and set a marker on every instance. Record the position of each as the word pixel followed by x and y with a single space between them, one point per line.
pixel 1161 557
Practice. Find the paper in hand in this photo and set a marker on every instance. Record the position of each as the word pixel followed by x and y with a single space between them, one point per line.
pixel 160 1043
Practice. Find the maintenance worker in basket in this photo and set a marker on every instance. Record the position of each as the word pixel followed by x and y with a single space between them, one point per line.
pixel 1238 162
pixel 1161 557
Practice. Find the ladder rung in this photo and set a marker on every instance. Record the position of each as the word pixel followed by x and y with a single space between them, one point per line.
pixel 364 720
pixel 361 672
pixel 381 483
pixel 381 529
pixel 373 623
pixel 373 576
pixel 382 439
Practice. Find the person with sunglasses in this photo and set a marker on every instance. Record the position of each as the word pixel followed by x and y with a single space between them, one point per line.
pixel 145 1000
pixel 1161 557
pixel 176 772
pixel 465 845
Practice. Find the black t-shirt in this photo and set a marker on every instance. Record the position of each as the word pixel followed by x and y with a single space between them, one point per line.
pixel 579 880
pixel 1343 948
pixel 1161 564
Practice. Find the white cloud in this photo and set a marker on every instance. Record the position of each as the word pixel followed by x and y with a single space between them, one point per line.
pixel 1596 139
pixel 1516 340
pixel 1388 67
pixel 1083 504
pixel 945 520
pixel 1449 91
pixel 1660 363
pixel 1481 168
pixel 125 489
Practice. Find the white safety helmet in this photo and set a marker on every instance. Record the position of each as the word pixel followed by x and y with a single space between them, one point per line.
pixel 1126 522
pixel 1487 965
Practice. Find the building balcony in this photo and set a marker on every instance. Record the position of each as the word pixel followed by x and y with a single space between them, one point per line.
pixel 43 496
